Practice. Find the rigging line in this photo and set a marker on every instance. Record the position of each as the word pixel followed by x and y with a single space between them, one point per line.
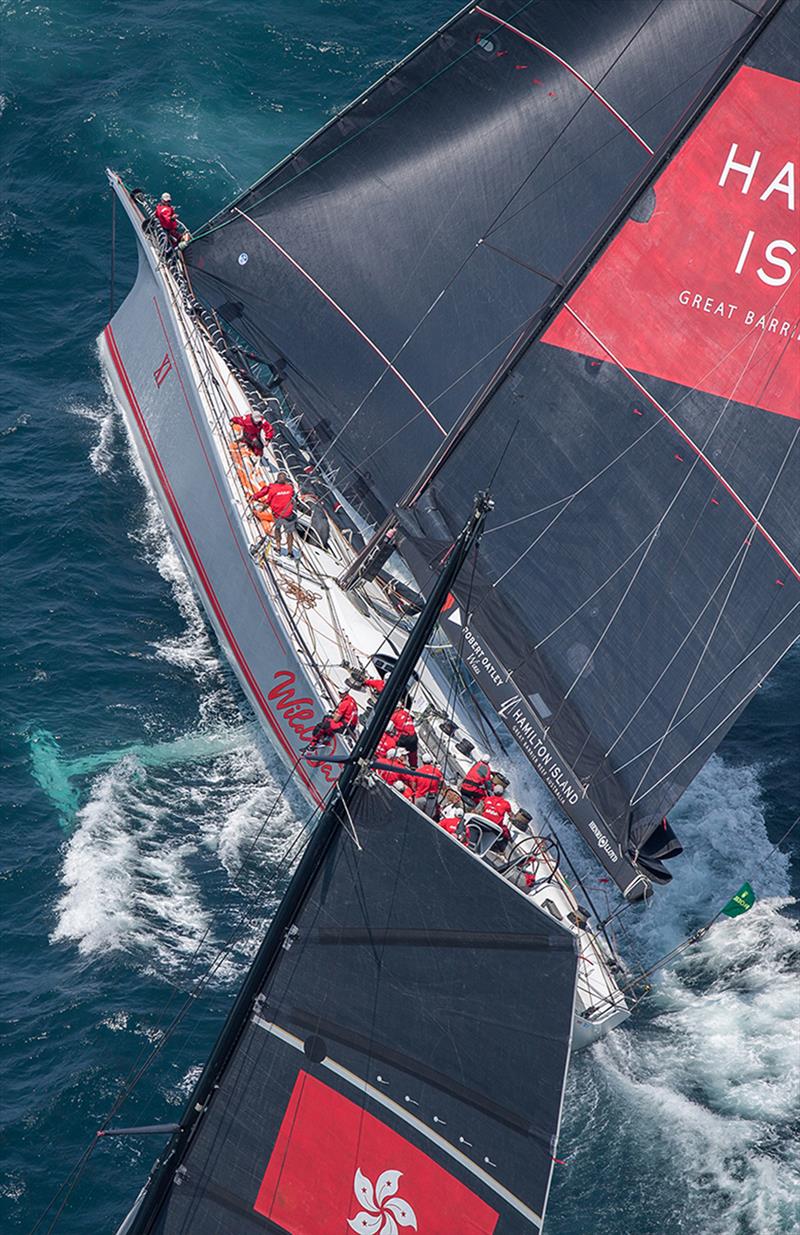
pixel 758 340
pixel 741 549
pixel 515 333
pixel 734 580
pixel 729 489
pixel 531 514
pixel 778 843
pixel 346 317
pixel 570 69
pixel 750 691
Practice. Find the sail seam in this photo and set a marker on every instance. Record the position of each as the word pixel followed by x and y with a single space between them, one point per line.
pixel 354 325
pixel 548 51
pixel 408 1117
pixel 727 486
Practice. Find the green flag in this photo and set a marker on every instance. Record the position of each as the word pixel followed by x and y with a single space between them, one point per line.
pixel 744 899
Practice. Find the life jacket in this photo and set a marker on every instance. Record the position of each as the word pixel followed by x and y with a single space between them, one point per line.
pixel 403 723
pixel 478 779
pixel 494 808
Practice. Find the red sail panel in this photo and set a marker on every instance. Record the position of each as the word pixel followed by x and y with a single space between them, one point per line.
pixel 334 1165
pixel 705 293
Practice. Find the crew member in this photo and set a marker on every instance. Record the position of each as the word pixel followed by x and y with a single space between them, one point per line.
pixel 343 718
pixel 477 784
pixel 495 808
pixel 397 773
pixel 279 497
pixel 426 783
pixel 168 218
pixel 454 824
pixel 256 431
pixel 345 714
pixel 376 684
pixel 403 726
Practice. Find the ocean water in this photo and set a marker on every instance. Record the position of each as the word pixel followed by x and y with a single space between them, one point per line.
pixel 135 784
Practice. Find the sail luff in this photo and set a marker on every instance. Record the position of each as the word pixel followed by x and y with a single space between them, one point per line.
pixel 562 293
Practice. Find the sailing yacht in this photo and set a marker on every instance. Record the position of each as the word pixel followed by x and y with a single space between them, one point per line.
pixel 552 254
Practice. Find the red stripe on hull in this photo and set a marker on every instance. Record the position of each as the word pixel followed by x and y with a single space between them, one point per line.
pixel 198 564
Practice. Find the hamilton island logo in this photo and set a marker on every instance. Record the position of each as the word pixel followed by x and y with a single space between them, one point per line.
pixel 382 1211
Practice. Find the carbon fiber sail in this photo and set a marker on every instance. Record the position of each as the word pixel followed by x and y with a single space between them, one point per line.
pixel 640 575
pixel 386 268
pixel 374 1080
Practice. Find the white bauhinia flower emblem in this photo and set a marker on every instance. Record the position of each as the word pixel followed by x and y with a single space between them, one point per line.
pixel 383 1211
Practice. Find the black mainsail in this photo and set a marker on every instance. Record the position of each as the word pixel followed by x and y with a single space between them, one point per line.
pixel 371 1041
pixel 389 264
pixel 642 576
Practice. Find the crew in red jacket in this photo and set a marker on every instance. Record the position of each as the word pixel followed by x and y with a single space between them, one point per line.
pixel 495 808
pixel 376 684
pixel 402 724
pixel 279 498
pixel 256 431
pixel 345 714
pixel 477 784
pixel 426 782
pixel 397 773
pixel 168 218
pixel 454 824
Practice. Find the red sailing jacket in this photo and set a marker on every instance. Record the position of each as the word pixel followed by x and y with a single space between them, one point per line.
pixel 427 778
pixel 167 217
pixel 376 684
pixel 403 723
pixel 494 808
pixel 279 496
pixel 345 714
pixel 398 777
pixel 478 779
pixel 251 430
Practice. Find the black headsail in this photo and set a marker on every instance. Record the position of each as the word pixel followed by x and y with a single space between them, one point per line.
pixel 641 575
pixel 397 1055
pixel 387 267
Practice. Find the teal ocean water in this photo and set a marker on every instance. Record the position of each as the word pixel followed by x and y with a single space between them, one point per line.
pixel 134 780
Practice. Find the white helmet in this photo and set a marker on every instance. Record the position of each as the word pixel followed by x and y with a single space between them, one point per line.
pixel 256 414
pixel 166 197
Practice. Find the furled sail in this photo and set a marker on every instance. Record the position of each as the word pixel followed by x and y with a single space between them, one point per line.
pixel 374 1085
pixel 641 574
pixel 388 266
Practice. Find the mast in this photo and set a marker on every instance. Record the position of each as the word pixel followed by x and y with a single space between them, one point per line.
pixel 319 844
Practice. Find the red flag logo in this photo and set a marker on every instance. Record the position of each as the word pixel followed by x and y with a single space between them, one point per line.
pixel 336 1169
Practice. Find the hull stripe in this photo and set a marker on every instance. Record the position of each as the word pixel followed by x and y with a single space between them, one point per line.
pixel 198 564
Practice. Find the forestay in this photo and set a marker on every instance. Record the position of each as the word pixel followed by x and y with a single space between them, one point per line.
pixel 388 266
pixel 639 577
pixel 375 1081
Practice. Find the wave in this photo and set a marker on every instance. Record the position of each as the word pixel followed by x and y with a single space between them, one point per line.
pixel 103 417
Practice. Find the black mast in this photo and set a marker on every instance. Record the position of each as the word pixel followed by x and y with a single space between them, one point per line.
pixel 333 816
